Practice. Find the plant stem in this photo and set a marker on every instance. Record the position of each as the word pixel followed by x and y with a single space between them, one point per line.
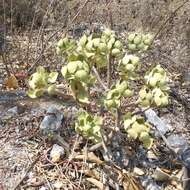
pixel 63 95
pixel 117 120
pixel 99 79
pixel 109 70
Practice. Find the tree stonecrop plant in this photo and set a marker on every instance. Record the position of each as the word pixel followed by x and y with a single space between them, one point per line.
pixel 85 60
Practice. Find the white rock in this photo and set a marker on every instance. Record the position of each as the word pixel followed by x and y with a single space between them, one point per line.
pixel 57 153
pixel 138 171
pixel 58 185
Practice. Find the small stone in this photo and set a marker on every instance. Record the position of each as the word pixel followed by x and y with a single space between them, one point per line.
pixel 153 186
pixel 178 143
pixel 138 171
pixel 160 175
pixel 57 153
pixel 43 188
pixel 185 157
pixel 13 111
pixel 151 155
pixel 58 185
pixel 52 121
pixel 149 184
pixel 153 118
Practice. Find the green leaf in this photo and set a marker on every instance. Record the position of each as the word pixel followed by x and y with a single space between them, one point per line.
pixel 72 67
pixel 98 120
pixel 118 44
pixel 89 54
pixel 89 46
pixel 132 47
pixel 145 103
pixel 157 92
pixel 52 89
pixel 96 129
pixel 142 93
pixel 109 103
pixel 128 93
pixel 135 60
pixel 132 133
pixel 86 127
pixel 96 42
pixel 158 76
pixel 40 70
pixel 81 75
pixel 131 37
pixel 52 77
pixel 130 67
pixel 127 123
pixel 35 93
pixel 102 47
pixel 137 39
pixel 141 46
pixel 110 43
pixel 64 71
pixel 121 87
pixel 83 40
pixel 125 59
pixel 82 96
pixel 158 101
pixel 144 136
pixel 153 81
pixel 107 32
pixel 148 143
pixel 86 67
pixel 165 100
pixel 115 52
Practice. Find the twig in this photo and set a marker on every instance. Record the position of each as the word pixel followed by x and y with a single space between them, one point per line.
pixel 167 20
pixel 5 63
pixel 57 31
pixel 99 79
pixel 95 147
pixel 27 171
pixel 30 38
pixel 117 119
pixel 109 70
pixel 110 58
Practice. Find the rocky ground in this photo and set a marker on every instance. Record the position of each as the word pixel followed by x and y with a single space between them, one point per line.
pixel 29 160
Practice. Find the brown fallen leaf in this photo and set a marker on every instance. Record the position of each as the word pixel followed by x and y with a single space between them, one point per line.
pixel 89 157
pixel 11 82
pixel 129 182
pixel 91 173
pixel 97 183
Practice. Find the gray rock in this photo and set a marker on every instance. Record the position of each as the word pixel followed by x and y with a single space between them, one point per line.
pixel 52 121
pixel 153 118
pixel 153 186
pixel 12 111
pixel 178 143
pixel 149 184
